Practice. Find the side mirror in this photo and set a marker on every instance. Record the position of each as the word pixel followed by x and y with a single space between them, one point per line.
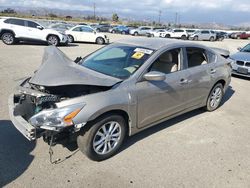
pixel 239 48
pixel 39 27
pixel 154 76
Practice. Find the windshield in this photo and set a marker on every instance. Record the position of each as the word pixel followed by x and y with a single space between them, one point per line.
pixel 246 48
pixel 117 61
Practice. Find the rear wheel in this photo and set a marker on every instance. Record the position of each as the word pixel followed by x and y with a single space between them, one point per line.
pixel 211 39
pixel 183 37
pixel 104 138
pixel 215 97
pixel 123 32
pixel 113 31
pixel 100 40
pixel 196 38
pixel 136 34
pixel 8 38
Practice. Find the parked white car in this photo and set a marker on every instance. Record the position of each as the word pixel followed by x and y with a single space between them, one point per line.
pixel 143 30
pixel 177 33
pixel 84 33
pixel 157 33
pixel 13 30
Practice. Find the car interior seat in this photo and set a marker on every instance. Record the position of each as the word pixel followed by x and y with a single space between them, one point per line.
pixel 196 59
pixel 165 63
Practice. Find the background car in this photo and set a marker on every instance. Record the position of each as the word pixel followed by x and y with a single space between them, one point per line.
pixel 119 29
pixel 243 35
pixel 81 33
pixel 220 36
pixel 15 29
pixel 61 27
pixel 241 61
pixel 203 35
pixel 102 27
pixel 177 33
pixel 143 30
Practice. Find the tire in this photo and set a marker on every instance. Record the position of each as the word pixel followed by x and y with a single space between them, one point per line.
pixel 71 38
pixel 152 35
pixel 8 38
pixel 196 38
pixel 53 40
pixel 123 33
pixel 111 140
pixel 100 40
pixel 211 39
pixel 183 37
pixel 98 30
pixel 136 34
pixel 113 31
pixel 167 36
pixel 214 98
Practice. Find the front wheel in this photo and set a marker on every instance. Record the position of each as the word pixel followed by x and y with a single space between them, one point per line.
pixel 104 138
pixel 8 38
pixel 100 40
pixel 215 97
pixel 183 37
pixel 211 39
pixel 71 38
pixel 53 40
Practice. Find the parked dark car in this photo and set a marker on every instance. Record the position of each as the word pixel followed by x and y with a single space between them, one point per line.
pixel 102 27
pixel 220 36
pixel 119 29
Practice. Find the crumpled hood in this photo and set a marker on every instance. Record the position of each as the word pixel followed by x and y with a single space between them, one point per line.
pixel 58 70
pixel 241 56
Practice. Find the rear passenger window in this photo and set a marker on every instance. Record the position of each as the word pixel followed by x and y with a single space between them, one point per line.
pixel 17 22
pixel 196 57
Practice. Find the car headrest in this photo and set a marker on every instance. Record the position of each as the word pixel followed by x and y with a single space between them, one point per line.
pixel 166 57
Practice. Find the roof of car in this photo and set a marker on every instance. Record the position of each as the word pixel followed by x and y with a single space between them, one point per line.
pixel 152 43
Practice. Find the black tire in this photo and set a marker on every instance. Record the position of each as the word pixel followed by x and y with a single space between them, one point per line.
pixel 8 38
pixel 98 30
pixel 167 36
pixel 87 139
pixel 209 105
pixel 196 38
pixel 152 35
pixel 100 40
pixel 53 40
pixel 113 31
pixel 71 38
pixel 183 37
pixel 211 39
pixel 136 34
pixel 123 32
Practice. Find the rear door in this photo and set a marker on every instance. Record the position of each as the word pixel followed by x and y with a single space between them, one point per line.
pixel 33 31
pixel 18 26
pixel 205 35
pixel 200 69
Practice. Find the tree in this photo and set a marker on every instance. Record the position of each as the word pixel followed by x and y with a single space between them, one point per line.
pixel 115 17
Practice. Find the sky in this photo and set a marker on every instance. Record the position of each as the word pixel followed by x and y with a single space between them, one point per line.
pixel 193 11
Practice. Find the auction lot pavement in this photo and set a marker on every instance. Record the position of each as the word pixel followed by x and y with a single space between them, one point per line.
pixel 198 149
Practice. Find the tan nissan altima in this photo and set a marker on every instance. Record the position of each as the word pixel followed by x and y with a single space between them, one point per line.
pixel 117 91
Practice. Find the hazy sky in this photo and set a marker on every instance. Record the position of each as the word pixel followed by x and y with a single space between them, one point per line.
pixel 220 11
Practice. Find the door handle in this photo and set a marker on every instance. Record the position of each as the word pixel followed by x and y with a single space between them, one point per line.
pixel 184 81
pixel 212 71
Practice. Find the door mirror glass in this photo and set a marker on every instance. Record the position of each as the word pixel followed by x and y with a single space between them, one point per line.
pixel 39 27
pixel 154 76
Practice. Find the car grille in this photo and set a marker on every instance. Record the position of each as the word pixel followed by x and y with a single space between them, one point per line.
pixel 247 64
pixel 241 63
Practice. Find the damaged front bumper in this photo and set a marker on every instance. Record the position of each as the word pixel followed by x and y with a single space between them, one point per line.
pixel 20 123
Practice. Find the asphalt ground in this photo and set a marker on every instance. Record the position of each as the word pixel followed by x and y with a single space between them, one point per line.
pixel 197 149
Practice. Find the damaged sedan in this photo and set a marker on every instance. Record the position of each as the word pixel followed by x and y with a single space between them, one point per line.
pixel 117 91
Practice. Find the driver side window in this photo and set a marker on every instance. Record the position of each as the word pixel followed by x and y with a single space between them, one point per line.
pixel 167 62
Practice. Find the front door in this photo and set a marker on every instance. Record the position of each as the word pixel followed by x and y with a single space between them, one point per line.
pixel 157 100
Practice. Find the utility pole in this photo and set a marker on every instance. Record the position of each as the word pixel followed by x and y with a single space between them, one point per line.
pixel 94 6
pixel 159 21
pixel 176 18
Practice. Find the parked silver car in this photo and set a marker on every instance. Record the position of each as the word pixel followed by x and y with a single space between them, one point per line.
pixel 117 91
pixel 143 30
pixel 241 62
pixel 203 35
